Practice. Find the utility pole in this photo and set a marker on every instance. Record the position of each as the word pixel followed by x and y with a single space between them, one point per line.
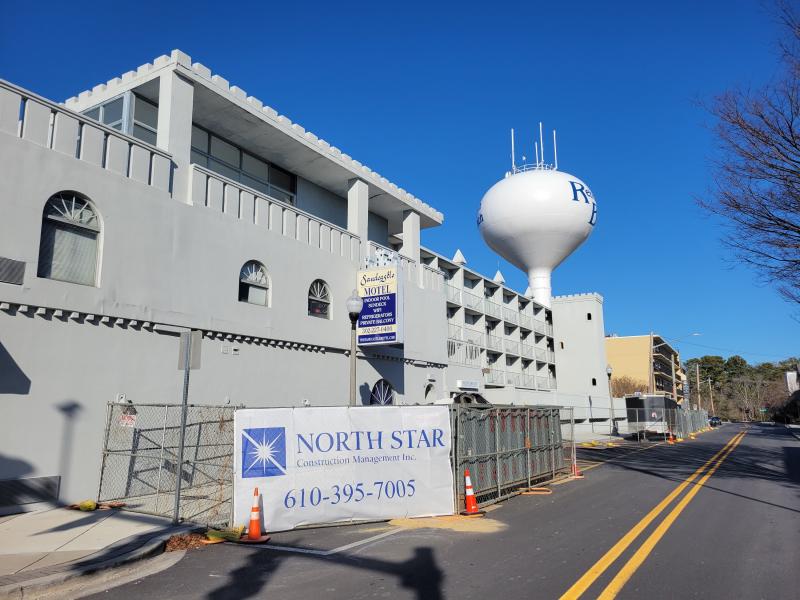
pixel 711 397
pixel 674 383
pixel 697 379
pixel 651 384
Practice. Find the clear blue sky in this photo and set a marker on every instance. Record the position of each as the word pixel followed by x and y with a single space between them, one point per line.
pixel 425 93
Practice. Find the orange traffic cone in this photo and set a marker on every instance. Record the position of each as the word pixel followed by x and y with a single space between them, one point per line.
pixel 471 508
pixel 576 473
pixel 254 530
pixel 671 439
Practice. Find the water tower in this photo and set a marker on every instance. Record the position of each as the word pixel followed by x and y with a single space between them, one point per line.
pixel 537 216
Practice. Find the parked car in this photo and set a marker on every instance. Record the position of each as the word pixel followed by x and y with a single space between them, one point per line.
pixel 714 421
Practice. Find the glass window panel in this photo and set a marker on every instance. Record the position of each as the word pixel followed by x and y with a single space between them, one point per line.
pixel 223 169
pixel 317 308
pixel 146 135
pixel 281 195
pixel 93 114
pixel 112 111
pixel 117 125
pixel 68 253
pixel 257 295
pixel 224 151
pixel 255 184
pixel 252 166
pixel 281 178
pixel 199 139
pixel 145 113
pixel 199 159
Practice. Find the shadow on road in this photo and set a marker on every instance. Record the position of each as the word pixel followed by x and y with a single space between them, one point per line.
pixel 777 461
pixel 419 574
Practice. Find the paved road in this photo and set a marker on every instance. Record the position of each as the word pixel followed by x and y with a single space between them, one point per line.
pixel 736 536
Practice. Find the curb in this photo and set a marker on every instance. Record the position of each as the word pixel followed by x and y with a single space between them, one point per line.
pixel 121 552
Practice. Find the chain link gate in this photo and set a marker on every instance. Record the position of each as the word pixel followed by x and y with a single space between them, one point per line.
pixel 140 455
pixel 505 449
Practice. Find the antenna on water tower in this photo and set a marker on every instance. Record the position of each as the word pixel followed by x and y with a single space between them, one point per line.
pixel 513 157
pixel 555 150
pixel 541 141
pixel 536 148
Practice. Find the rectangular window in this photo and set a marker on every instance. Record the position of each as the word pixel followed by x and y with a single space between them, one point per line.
pixel 130 114
pixel 230 161
pixel 112 113
pixel 281 179
pixel 199 139
pixel 68 253
pixel 254 167
pixel 224 151
pixel 145 120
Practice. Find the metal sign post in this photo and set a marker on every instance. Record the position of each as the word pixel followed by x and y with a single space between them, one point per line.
pixel 189 341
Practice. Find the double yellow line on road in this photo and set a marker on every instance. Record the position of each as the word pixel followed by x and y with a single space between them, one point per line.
pixel 630 567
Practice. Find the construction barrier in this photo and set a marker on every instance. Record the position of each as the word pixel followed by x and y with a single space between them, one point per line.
pixel 507 449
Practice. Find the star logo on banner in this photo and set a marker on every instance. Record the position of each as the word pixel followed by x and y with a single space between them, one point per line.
pixel 264 452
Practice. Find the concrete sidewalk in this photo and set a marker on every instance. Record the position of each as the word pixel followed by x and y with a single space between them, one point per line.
pixel 56 544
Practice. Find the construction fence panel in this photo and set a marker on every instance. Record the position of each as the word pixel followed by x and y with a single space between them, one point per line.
pixel 140 460
pixel 505 449
pixel 656 423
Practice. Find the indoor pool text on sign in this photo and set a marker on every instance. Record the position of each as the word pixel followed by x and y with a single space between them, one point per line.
pixel 331 464
pixel 381 319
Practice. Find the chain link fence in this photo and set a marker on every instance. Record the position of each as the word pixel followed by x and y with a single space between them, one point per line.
pixel 506 449
pixel 658 423
pixel 140 460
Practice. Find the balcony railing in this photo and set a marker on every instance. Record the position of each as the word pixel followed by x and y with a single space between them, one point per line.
pixel 510 315
pixel 527 381
pixel 432 279
pixel 474 335
pixel 453 294
pixel 494 342
pixel 492 308
pixel 495 377
pixel 463 353
pixel 539 326
pixel 528 351
pixel 525 321
pixel 472 301
pixel 551 356
pixel 541 354
pixel 545 383
pixel 454 332
pixel 30 117
pixel 548 329
pixel 224 195
pixel 511 346
pixel 513 378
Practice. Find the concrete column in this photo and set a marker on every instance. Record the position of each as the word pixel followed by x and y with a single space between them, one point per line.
pixel 358 212
pixel 410 248
pixel 175 103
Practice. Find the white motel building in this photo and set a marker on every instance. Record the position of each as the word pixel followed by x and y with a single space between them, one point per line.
pixel 167 200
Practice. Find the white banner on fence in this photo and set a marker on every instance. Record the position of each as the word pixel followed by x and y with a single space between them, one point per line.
pixel 323 465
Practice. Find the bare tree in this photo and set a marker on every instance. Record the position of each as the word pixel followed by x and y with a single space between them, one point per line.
pixel 624 385
pixel 757 183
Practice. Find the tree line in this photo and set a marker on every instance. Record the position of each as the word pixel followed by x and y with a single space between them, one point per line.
pixel 742 391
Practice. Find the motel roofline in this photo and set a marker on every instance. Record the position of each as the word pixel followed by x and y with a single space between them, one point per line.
pixel 229 111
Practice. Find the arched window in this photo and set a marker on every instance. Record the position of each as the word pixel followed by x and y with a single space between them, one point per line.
pixel 429 391
pixel 382 393
pixel 319 299
pixel 254 284
pixel 69 242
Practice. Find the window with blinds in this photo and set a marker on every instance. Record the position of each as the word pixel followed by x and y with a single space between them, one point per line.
pixel 69 242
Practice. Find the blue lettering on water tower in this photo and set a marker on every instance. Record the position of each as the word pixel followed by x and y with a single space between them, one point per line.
pixel 588 198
